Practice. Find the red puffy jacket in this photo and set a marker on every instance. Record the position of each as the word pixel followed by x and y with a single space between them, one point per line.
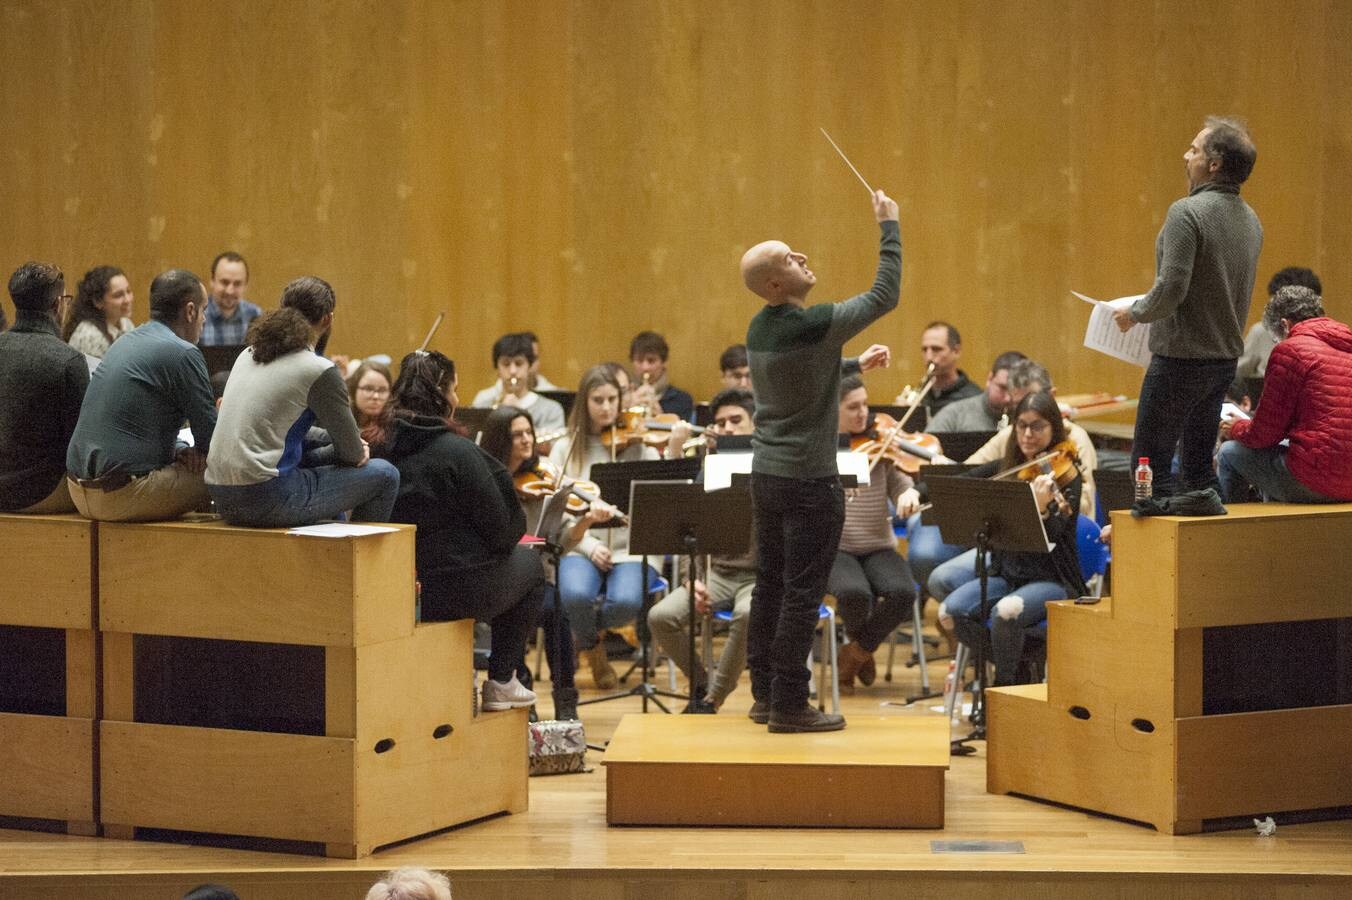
pixel 1307 397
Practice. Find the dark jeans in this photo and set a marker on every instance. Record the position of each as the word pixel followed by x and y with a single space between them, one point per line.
pixel 507 594
pixel 856 580
pixel 1181 407
pixel 798 524
pixel 305 496
pixel 558 638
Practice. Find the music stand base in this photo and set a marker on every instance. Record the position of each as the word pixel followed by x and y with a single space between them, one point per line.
pixel 963 746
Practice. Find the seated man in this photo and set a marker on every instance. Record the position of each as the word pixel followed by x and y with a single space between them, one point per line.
pixel 42 381
pixel 125 463
pixel 648 352
pixel 513 356
pixel 228 315
pixel 1307 403
pixel 728 586
pixel 987 411
pixel 941 347
pixel 735 367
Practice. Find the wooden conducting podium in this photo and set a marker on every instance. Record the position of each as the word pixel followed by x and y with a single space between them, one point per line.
pixel 275 686
pixel 1215 683
pixel 48 672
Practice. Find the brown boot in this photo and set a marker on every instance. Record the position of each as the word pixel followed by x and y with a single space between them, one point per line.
pixel 602 673
pixel 868 672
pixel 850 659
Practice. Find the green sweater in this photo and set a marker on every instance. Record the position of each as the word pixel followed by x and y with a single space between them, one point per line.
pixel 1205 257
pixel 796 367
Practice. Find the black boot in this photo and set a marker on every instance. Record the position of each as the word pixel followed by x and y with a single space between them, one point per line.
pixel 805 718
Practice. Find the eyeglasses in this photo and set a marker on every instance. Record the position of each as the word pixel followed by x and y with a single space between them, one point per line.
pixel 374 391
pixel 1033 427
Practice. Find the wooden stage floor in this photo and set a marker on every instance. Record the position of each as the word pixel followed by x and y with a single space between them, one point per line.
pixel 562 849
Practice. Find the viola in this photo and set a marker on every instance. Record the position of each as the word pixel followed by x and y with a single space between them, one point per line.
pixel 906 450
pixel 635 426
pixel 544 480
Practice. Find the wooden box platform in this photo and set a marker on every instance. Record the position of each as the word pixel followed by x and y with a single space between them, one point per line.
pixel 1216 684
pixel 48 670
pixel 726 770
pixel 291 697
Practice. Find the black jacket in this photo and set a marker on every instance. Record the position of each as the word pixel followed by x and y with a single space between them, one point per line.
pixel 42 383
pixel 462 500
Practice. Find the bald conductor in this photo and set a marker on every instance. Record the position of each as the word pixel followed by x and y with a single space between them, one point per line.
pixel 794 352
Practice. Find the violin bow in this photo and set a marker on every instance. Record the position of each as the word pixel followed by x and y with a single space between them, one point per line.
pixel 435 325
pixel 901 426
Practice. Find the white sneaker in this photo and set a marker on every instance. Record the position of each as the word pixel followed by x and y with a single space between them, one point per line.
pixel 512 695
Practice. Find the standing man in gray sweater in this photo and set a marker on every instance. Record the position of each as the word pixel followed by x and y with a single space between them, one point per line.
pixel 796 366
pixel 1205 258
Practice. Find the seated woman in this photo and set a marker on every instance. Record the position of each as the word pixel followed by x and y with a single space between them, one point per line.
pixel 369 391
pixel 601 586
pixel 101 313
pixel 509 437
pixel 258 471
pixel 867 564
pixel 469 561
pixel 1020 585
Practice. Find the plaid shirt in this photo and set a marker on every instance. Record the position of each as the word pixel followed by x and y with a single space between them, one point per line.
pixel 218 331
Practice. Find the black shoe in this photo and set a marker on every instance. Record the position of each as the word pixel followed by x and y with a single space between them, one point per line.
pixel 532 716
pixel 804 718
pixel 699 706
pixel 759 712
pixel 565 711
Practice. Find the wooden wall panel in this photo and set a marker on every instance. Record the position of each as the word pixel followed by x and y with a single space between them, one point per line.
pixel 595 167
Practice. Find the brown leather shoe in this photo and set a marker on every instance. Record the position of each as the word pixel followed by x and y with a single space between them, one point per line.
pixel 868 672
pixel 804 719
pixel 850 659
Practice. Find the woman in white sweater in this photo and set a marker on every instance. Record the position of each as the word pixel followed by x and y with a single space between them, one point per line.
pixel 599 583
pixel 101 312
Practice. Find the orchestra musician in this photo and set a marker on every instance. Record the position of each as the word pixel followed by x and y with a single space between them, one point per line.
pixel 600 584
pixel 1022 584
pixel 867 565
pixel 798 501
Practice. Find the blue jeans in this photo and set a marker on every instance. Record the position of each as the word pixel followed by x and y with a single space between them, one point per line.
pixel 953 574
pixel 798 524
pixel 1012 610
pixel 926 550
pixel 1266 470
pixel 594 602
pixel 307 496
pixel 1181 408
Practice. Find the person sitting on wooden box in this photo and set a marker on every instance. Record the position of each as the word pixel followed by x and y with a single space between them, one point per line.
pixel 258 471
pixel 1306 405
pixel 126 462
pixel 468 556
pixel 42 383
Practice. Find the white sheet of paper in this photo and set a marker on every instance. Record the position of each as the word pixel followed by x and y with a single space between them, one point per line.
pixel 340 530
pixel 1103 335
pixel 1230 411
pixel 720 467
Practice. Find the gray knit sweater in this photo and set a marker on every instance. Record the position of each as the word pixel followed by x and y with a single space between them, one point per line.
pixel 1205 258
pixel 796 367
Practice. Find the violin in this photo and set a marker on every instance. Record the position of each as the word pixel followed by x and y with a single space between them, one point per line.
pixel 1061 461
pixel 906 450
pixel 635 426
pixel 544 479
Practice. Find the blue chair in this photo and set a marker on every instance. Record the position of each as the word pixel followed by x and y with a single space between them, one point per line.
pixel 1094 554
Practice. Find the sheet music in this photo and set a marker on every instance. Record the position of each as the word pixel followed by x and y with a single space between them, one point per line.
pixel 1103 335
pixel 720 467
pixel 340 530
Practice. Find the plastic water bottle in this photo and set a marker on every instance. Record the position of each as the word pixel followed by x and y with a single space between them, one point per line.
pixel 1145 478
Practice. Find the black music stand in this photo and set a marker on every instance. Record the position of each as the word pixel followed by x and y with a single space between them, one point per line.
pixel 614 481
pixel 1000 515
pixel 678 517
